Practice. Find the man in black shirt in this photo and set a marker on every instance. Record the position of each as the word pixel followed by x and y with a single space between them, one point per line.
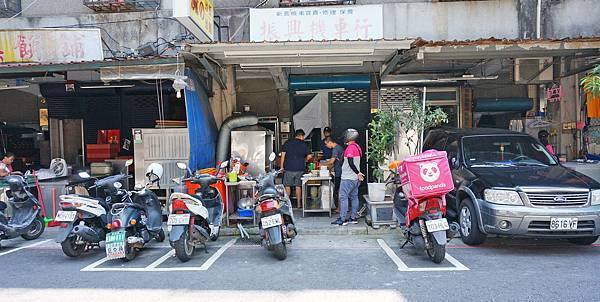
pixel 294 155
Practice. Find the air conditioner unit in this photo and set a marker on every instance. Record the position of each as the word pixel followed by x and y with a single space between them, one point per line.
pixel 534 70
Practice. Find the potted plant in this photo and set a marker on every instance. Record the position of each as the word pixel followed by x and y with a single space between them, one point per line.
pixel 591 82
pixel 382 134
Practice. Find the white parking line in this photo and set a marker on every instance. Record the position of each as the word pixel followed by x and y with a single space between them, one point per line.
pixel 404 268
pixel 24 247
pixel 153 267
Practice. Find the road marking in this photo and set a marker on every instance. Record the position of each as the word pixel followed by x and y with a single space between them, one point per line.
pixel 153 267
pixel 404 268
pixel 217 255
pixel 24 247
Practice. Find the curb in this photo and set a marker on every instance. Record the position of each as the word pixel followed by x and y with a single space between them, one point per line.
pixel 331 231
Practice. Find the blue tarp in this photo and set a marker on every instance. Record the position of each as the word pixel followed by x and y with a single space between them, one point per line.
pixel 201 124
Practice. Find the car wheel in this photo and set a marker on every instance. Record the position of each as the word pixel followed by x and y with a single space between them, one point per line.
pixel 469 228
pixel 584 240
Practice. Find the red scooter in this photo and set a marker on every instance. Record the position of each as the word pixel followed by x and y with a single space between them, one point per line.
pixel 420 202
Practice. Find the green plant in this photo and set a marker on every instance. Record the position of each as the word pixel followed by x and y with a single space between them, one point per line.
pixel 591 81
pixel 412 123
pixel 382 133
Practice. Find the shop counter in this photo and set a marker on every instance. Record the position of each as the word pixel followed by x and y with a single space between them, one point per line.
pixel 321 194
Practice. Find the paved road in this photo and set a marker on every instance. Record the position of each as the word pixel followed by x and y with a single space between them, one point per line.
pixel 328 268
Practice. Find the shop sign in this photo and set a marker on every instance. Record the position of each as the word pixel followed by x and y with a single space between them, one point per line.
pixel 197 16
pixel 50 45
pixel 554 93
pixel 360 22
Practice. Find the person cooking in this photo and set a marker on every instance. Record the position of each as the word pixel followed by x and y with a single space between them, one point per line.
pixel 6 164
pixel 335 162
pixel 294 154
pixel 324 148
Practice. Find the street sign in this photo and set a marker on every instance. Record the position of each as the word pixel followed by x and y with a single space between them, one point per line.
pixel 197 16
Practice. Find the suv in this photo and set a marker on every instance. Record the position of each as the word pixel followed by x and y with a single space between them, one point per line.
pixel 506 183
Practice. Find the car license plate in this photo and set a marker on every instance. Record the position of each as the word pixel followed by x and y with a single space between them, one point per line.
pixel 437 225
pixel 560 224
pixel 115 245
pixel 65 216
pixel 178 219
pixel 271 221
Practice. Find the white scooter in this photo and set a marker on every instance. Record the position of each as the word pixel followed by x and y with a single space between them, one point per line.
pixel 194 219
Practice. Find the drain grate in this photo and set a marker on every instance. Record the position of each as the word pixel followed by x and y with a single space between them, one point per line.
pixel 254 240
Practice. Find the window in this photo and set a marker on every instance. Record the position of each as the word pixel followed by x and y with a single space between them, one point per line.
pixel 505 151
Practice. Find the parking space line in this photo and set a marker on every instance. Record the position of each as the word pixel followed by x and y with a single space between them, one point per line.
pixel 458 266
pixel 92 267
pixel 24 247
pixel 217 255
pixel 161 260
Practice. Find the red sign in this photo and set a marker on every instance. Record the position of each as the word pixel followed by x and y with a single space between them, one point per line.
pixel 554 94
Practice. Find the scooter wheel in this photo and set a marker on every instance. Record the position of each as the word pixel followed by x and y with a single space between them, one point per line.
pixel 130 252
pixel 183 248
pixel 35 230
pixel 437 253
pixel 161 236
pixel 71 249
pixel 280 251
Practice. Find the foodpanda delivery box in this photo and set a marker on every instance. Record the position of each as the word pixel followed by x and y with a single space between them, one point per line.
pixel 426 174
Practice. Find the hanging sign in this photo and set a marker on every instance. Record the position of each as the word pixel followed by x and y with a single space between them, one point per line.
pixel 197 16
pixel 356 22
pixel 60 45
pixel 554 93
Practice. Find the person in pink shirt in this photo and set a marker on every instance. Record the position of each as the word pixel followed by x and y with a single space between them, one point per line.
pixel 543 137
pixel 351 179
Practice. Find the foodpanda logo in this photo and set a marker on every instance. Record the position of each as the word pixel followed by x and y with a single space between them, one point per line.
pixel 430 172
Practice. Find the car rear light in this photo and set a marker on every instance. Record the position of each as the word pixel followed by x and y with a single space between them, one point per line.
pixel 178 204
pixel 268 205
pixel 116 224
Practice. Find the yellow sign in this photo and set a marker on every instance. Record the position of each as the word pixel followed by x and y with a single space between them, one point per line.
pixel 43 117
pixel 201 11
pixel 197 16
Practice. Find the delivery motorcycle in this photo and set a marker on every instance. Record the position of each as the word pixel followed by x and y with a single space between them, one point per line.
pixel 274 209
pixel 194 219
pixel 420 202
pixel 135 219
pixel 85 219
pixel 27 219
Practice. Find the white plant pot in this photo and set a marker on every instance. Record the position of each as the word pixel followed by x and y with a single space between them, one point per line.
pixel 377 191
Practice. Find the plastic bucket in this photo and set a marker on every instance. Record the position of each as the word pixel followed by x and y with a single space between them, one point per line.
pixel 376 191
pixel 233 177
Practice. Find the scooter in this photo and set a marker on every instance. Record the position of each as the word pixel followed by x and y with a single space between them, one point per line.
pixel 195 219
pixel 26 220
pixel 420 202
pixel 85 219
pixel 136 219
pixel 277 226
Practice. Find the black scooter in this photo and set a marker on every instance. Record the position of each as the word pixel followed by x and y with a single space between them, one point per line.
pixel 273 207
pixel 26 220
pixel 136 220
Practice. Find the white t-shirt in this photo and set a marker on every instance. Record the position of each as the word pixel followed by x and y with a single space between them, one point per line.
pixel 4 167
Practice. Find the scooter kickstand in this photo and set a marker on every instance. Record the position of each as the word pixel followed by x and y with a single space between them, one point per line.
pixel 205 249
pixel 405 242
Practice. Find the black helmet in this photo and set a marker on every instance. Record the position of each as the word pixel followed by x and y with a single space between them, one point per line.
pixel 350 135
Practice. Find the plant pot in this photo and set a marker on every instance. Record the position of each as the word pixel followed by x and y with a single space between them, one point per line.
pixel 377 191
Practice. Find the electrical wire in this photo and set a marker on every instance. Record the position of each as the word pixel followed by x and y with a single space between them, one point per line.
pixel 22 11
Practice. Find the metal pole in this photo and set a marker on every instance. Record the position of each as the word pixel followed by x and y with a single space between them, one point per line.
pixel 539 19
pixel 423 124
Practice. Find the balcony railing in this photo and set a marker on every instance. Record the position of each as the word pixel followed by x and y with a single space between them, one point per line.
pixel 314 2
pixel 9 8
pixel 117 6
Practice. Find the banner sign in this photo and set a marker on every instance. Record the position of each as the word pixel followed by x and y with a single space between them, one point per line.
pixel 554 94
pixel 50 45
pixel 197 16
pixel 355 22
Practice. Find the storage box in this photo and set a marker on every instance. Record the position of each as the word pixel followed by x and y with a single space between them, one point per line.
pixel 426 174
pixel 381 213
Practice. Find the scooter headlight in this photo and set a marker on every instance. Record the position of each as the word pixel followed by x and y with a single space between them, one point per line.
pixel 504 197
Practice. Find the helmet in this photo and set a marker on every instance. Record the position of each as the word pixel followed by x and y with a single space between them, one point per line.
pixel 350 135
pixel 154 172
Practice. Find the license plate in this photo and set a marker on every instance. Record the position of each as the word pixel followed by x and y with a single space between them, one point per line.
pixel 560 224
pixel 437 225
pixel 178 219
pixel 271 221
pixel 115 245
pixel 65 216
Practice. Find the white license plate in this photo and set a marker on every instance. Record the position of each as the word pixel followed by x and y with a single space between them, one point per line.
pixel 115 245
pixel 178 219
pixel 437 225
pixel 271 221
pixel 560 224
pixel 65 216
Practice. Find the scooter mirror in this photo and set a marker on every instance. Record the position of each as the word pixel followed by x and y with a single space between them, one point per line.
pixel 129 162
pixel 84 174
pixel 272 156
pixel 182 166
pixel 224 164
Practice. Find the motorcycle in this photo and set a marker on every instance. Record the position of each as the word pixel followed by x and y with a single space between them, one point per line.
pixel 274 209
pixel 27 219
pixel 85 219
pixel 420 202
pixel 195 219
pixel 135 219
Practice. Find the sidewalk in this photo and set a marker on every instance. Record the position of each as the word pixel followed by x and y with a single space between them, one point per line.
pixel 319 224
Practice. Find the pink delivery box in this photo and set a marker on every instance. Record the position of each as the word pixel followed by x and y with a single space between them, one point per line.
pixel 426 174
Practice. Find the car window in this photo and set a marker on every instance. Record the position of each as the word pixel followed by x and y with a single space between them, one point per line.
pixel 502 151
pixel 452 147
